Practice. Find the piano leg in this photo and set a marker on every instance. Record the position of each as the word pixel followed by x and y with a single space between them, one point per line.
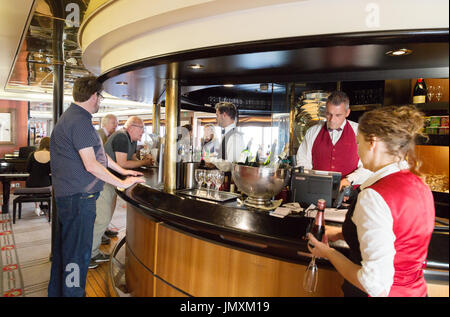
pixel 6 192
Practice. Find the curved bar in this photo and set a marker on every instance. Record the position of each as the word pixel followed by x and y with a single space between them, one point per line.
pixel 180 246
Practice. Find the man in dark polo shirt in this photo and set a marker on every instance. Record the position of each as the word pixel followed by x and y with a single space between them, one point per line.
pixel 79 170
pixel 121 147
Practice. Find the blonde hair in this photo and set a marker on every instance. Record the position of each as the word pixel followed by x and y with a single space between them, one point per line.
pixel 398 128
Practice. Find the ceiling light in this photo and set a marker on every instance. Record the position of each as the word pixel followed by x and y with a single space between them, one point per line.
pixel 195 66
pixel 121 83
pixel 228 85
pixel 399 52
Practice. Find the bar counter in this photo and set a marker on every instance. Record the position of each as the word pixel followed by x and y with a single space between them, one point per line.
pixel 182 246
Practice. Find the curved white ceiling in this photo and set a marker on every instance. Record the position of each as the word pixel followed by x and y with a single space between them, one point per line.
pixel 124 31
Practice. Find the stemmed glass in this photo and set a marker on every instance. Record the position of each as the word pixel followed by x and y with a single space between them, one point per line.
pixel 430 93
pixel 218 179
pixel 438 93
pixel 311 276
pixel 209 175
pixel 199 177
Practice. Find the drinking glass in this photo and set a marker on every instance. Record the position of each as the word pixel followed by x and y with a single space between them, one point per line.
pixel 208 179
pixel 199 177
pixel 438 93
pixel 311 276
pixel 218 179
pixel 430 93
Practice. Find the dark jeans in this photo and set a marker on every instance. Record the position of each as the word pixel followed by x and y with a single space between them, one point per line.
pixel 73 245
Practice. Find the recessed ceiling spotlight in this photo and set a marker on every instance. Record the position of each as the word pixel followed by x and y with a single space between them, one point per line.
pixel 399 52
pixel 195 66
pixel 228 85
pixel 121 83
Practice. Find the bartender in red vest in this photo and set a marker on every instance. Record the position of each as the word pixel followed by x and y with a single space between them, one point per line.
pixel 331 145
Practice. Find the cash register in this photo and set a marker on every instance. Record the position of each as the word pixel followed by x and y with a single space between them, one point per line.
pixel 307 186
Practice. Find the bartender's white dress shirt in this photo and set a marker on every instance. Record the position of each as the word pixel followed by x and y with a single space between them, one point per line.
pixel 304 153
pixel 374 223
pixel 235 144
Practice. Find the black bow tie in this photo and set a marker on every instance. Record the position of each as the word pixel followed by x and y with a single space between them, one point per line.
pixel 338 129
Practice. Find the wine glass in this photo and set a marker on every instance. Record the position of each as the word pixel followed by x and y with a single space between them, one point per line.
pixel 199 177
pixel 208 179
pixel 218 179
pixel 311 276
pixel 430 93
pixel 438 93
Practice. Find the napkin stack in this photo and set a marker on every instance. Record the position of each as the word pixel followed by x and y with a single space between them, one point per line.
pixel 286 209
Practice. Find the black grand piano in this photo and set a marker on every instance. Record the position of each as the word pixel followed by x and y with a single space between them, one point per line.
pixel 13 167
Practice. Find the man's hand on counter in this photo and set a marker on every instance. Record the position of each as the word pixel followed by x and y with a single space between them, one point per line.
pixel 133 173
pixel 131 180
pixel 148 160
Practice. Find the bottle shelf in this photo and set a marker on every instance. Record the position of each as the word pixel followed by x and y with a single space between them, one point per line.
pixel 433 106
pixel 435 139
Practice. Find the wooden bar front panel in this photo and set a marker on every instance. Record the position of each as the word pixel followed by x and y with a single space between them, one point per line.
pixel 164 290
pixel 141 236
pixel 202 268
pixel 139 280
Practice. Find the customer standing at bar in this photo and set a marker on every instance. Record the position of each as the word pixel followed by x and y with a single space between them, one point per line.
pixel 121 148
pixel 78 164
pixel 108 126
pixel 389 229
pixel 232 143
pixel 331 146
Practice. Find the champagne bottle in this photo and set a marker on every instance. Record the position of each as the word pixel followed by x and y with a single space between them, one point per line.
pixel 245 154
pixel 318 229
pixel 255 161
pixel 271 155
pixel 202 160
pixel 420 91
pixel 281 158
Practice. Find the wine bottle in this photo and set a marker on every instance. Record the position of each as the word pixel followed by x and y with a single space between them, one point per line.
pixel 420 91
pixel 318 229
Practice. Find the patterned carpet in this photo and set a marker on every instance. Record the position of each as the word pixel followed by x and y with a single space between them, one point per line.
pixel 25 249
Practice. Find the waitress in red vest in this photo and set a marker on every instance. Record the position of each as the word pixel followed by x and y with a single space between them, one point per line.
pixel 331 145
pixel 389 227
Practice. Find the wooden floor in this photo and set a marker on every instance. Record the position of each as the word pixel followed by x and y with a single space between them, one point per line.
pixel 96 281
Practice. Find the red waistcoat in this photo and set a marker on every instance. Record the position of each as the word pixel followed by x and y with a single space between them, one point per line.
pixel 412 207
pixel 341 157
